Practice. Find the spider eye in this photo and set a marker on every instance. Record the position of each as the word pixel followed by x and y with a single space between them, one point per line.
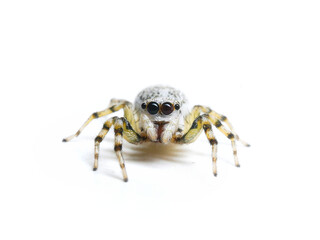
pixel 143 105
pixel 167 108
pixel 153 108
pixel 177 106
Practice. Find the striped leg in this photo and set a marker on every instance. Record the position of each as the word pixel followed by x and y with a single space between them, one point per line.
pixel 229 135
pixel 202 122
pixel 122 128
pixel 198 108
pixel 189 119
pixel 120 104
pixel 106 126
pixel 118 131
pixel 225 120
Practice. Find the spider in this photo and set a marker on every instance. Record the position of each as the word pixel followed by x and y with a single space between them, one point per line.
pixel 160 114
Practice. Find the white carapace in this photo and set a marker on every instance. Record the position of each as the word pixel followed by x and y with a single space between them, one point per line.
pixel 151 105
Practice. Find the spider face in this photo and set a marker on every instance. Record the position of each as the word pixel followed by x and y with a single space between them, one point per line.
pixel 160 108
pixel 160 103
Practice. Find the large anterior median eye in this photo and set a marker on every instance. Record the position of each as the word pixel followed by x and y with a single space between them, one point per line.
pixel 153 108
pixel 167 108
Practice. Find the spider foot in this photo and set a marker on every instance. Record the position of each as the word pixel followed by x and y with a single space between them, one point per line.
pixel 243 142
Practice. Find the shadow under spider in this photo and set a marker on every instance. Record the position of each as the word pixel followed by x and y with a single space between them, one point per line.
pixel 156 151
pixel 153 152
pixel 147 152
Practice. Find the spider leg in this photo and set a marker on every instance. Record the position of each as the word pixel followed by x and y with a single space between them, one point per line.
pixel 122 128
pixel 118 132
pixel 196 112
pixel 201 122
pixel 216 122
pixel 216 119
pixel 226 121
pixel 189 119
pixel 115 101
pixel 119 105
pixel 106 126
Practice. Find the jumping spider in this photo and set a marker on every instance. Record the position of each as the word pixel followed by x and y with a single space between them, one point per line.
pixel 160 114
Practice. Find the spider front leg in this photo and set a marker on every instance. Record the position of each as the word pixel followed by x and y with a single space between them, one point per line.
pixel 196 112
pixel 201 122
pixel 115 105
pixel 122 128
pixel 224 119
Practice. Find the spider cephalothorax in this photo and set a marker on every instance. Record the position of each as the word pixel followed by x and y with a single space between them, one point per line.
pixel 161 111
pixel 160 114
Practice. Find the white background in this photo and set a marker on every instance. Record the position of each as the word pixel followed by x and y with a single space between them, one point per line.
pixel 255 61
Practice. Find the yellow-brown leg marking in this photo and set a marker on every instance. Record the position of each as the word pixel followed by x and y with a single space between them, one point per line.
pixel 106 126
pixel 229 135
pixel 213 142
pixel 121 127
pixel 189 119
pixel 225 120
pixel 191 130
pixel 95 115
pixel 201 122
pixel 130 134
pixel 206 110
pixel 118 131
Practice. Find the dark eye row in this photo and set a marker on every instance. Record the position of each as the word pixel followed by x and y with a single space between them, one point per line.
pixel 166 108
